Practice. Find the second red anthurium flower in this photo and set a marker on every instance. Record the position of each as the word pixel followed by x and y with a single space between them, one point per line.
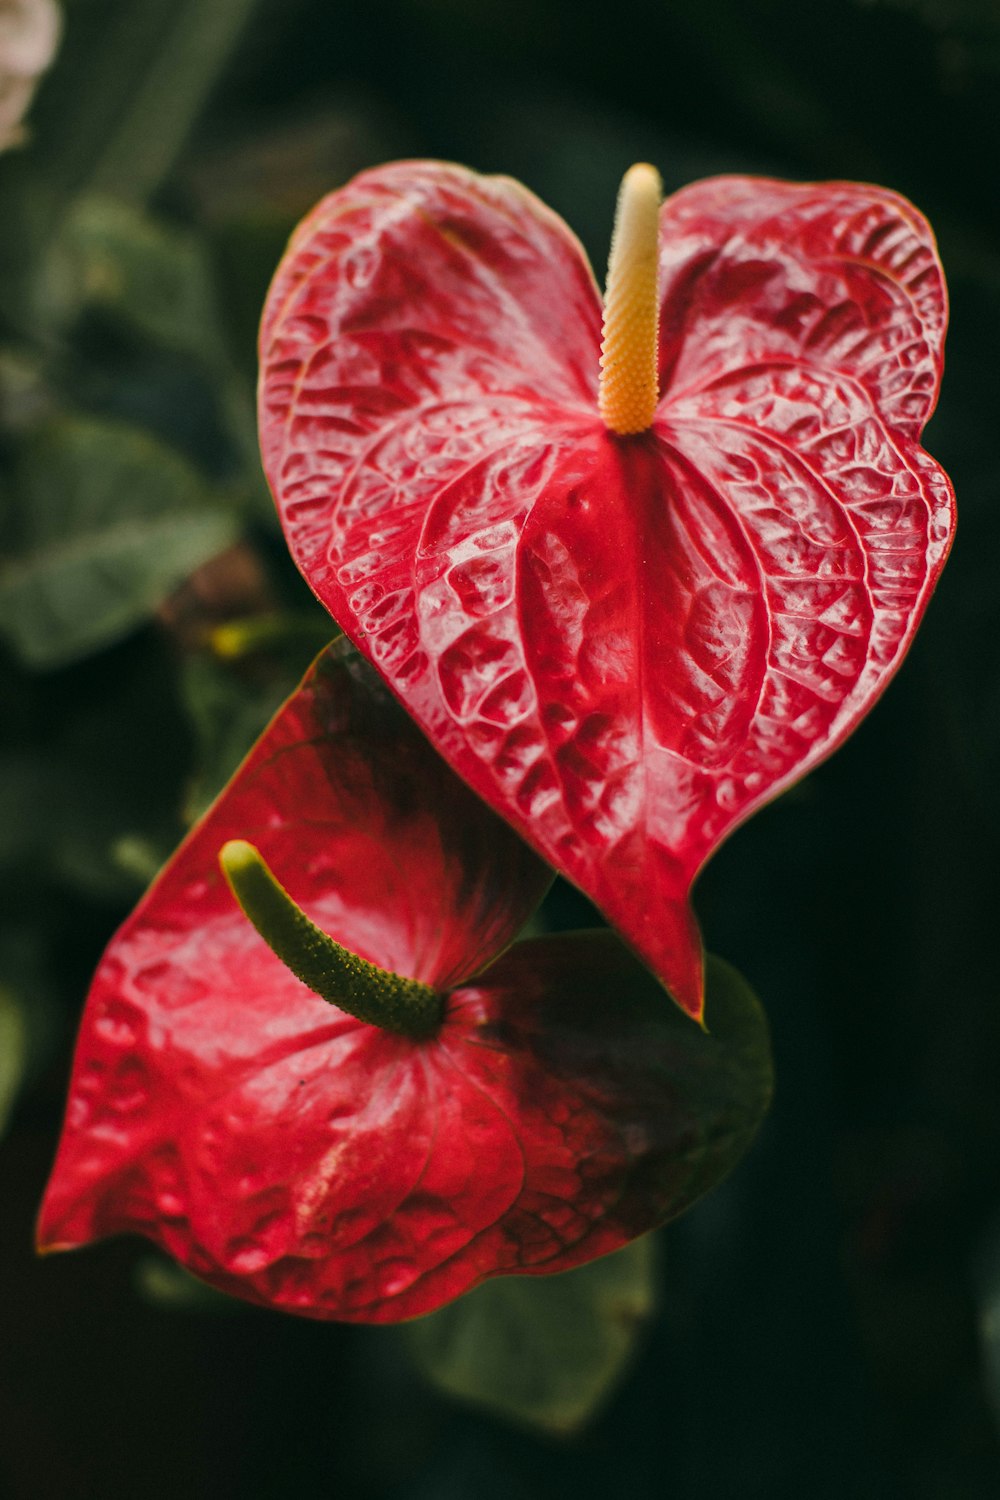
pixel 628 604
pixel 461 1114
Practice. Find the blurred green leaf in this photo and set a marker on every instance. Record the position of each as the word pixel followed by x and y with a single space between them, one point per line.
pixel 137 857
pixel 102 523
pixel 25 397
pixel 32 1022
pixel 166 1284
pixel 178 75
pixel 154 281
pixel 91 776
pixel 541 1350
pixel 81 821
pixel 13 1052
pixel 227 713
pixel 130 80
pixel 152 277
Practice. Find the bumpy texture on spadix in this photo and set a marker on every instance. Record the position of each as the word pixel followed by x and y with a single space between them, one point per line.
pixel 366 991
pixel 624 644
pixel 628 388
pixel 296 1157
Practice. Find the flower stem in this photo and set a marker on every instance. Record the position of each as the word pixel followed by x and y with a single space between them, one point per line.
pixel 628 389
pixel 337 975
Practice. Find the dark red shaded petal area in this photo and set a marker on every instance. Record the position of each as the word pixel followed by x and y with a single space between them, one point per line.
pixel 295 1157
pixel 623 645
pixel 626 1113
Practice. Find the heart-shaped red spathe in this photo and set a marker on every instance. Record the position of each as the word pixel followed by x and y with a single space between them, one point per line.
pixel 625 645
pixel 289 1154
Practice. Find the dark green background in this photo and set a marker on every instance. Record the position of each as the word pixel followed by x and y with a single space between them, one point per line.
pixel 819 1326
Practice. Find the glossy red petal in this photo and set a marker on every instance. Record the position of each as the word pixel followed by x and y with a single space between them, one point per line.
pixel 297 1158
pixel 841 276
pixel 624 646
pixel 202 1066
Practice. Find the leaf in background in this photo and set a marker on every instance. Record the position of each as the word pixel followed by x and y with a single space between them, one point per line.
pixel 167 1285
pixel 103 522
pixel 131 78
pixel 151 276
pixel 227 713
pixel 25 397
pixel 13 1051
pixel 90 832
pixel 541 1350
pixel 33 1025
pixel 92 797
pixel 154 280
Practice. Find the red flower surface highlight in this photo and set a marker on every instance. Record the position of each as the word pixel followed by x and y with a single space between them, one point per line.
pixel 296 1157
pixel 624 644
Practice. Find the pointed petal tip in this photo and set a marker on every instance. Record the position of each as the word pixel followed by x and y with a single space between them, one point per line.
pixel 51 1249
pixel 49 1241
pixel 692 1003
pixel 676 956
pixel 60 1225
pixel 689 996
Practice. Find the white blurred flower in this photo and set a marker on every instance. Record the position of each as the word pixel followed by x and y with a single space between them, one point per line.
pixel 29 36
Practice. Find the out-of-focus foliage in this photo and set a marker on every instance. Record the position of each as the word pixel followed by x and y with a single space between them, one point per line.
pixel 152 277
pixel 542 1350
pixel 104 522
pixel 166 1284
pixel 78 785
pixel 13 1050
pixel 113 269
pixel 227 713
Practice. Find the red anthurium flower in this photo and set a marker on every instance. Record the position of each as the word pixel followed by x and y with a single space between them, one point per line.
pixel 630 611
pixel 520 1115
